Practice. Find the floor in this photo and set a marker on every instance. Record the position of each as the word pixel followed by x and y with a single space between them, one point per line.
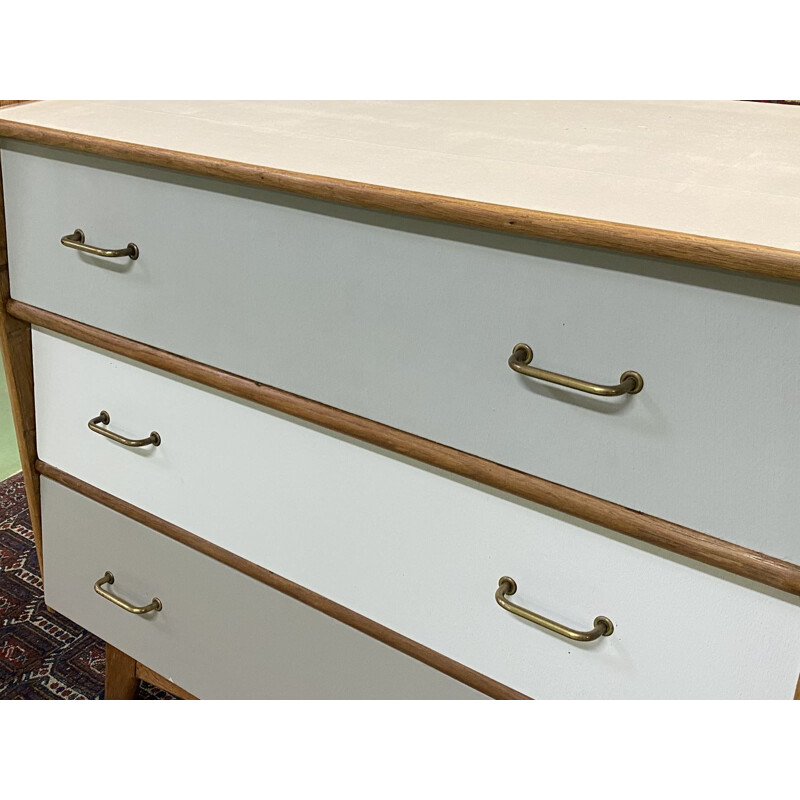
pixel 9 455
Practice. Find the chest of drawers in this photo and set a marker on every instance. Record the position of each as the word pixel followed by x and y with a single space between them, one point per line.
pixel 310 392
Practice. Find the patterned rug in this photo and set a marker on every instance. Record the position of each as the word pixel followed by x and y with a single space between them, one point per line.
pixel 43 656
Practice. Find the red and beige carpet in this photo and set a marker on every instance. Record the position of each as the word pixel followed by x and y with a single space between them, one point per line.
pixel 43 656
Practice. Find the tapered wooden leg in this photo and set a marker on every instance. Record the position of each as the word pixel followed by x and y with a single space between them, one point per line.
pixel 15 345
pixel 121 680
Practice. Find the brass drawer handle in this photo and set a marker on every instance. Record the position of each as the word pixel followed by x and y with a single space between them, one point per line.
pixel 104 418
pixel 603 626
pixel 77 241
pixel 108 578
pixel 630 382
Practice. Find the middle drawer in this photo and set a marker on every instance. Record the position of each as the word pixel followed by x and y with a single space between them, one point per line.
pixel 412 548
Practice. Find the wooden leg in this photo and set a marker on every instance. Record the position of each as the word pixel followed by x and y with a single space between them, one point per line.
pixel 15 345
pixel 147 675
pixel 121 680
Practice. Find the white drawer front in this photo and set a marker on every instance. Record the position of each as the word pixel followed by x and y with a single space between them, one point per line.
pixel 411 547
pixel 219 634
pixel 410 323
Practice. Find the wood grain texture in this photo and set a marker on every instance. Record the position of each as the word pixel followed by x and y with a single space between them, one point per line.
pixel 15 345
pixel 147 675
pixel 676 538
pixel 722 253
pixel 797 689
pixel 121 680
pixel 427 656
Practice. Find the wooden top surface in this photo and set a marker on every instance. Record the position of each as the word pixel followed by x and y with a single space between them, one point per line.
pixel 723 170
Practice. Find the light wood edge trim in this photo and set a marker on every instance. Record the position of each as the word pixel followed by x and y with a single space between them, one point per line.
pixel 424 654
pixel 746 257
pixel 797 689
pixel 15 345
pixel 676 538
pixel 146 674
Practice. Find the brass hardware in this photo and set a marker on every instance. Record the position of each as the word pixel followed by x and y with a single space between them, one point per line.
pixel 507 586
pixel 77 241
pixel 104 419
pixel 630 382
pixel 108 578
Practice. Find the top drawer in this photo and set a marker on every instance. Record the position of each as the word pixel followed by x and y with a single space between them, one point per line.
pixel 411 323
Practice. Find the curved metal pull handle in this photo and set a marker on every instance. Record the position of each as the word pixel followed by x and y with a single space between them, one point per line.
pixel 630 382
pixel 77 241
pixel 155 605
pixel 603 626
pixel 104 418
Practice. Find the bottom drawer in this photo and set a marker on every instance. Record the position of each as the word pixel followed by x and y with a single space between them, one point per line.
pixel 220 633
